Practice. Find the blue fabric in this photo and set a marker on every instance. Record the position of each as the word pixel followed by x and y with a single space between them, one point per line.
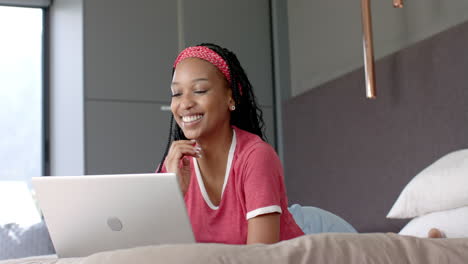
pixel 313 220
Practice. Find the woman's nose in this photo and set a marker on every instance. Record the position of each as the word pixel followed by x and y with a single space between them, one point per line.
pixel 187 102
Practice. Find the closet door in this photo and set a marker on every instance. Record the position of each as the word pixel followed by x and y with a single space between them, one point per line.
pixel 125 137
pixel 129 48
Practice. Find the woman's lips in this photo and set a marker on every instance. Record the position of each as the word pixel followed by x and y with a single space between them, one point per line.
pixel 191 120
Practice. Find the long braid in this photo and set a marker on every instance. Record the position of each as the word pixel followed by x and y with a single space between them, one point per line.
pixel 169 142
pixel 247 115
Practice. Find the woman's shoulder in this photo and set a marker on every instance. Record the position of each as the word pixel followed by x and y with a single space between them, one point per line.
pixel 252 154
pixel 248 143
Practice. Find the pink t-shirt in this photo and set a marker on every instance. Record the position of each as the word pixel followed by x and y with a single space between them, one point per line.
pixel 254 185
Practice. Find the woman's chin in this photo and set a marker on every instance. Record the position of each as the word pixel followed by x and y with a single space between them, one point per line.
pixel 190 135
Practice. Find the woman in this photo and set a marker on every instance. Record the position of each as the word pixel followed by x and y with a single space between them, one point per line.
pixel 231 179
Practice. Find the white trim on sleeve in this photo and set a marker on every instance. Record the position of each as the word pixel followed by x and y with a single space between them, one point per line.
pixel 264 210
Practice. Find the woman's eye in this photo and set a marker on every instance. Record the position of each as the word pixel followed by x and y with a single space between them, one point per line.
pixel 200 91
pixel 176 95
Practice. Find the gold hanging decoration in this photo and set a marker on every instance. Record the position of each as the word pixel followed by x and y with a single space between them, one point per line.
pixel 368 47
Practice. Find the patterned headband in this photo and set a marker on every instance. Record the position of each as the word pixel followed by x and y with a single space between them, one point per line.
pixel 208 55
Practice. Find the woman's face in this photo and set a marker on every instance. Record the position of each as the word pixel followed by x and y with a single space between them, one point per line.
pixel 200 98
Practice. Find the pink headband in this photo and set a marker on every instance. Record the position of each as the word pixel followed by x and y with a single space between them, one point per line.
pixel 208 55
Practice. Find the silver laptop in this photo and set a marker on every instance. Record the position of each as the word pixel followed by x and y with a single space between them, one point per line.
pixel 89 214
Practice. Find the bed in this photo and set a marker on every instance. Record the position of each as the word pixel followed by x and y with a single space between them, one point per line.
pixel 319 248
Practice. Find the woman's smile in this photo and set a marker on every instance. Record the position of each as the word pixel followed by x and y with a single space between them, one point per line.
pixel 189 121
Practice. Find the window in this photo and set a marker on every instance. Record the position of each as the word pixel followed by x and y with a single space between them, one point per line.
pixel 21 111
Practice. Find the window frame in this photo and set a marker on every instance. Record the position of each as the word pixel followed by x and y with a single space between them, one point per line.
pixel 45 91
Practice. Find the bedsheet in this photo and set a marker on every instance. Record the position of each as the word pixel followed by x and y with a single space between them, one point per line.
pixel 319 248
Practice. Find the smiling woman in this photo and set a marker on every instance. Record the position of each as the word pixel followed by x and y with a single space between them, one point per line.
pixel 232 180
pixel 201 98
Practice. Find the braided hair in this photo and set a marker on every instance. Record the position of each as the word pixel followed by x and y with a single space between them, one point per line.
pixel 247 115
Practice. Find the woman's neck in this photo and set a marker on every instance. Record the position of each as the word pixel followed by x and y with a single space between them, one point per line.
pixel 215 148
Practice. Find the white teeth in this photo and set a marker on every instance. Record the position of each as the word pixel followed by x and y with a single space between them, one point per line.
pixel 191 118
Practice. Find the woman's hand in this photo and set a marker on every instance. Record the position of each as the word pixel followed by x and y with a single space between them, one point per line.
pixel 177 161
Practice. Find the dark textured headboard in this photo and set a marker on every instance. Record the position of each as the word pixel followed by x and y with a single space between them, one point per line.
pixel 353 156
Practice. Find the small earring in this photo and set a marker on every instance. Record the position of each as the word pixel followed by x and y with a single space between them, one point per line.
pixel 233 107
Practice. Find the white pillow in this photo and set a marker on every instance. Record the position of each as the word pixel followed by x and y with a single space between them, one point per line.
pixel 441 186
pixel 453 223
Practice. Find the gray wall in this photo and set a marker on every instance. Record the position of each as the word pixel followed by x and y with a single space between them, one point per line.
pixel 325 35
pixel 127 51
pixel 353 156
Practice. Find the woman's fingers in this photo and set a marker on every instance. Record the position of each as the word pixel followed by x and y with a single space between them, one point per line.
pixel 180 149
pixel 184 147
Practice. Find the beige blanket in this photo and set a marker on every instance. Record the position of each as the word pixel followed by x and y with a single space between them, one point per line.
pixel 322 248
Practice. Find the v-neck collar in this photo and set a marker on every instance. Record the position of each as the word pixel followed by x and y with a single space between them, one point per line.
pixel 201 184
